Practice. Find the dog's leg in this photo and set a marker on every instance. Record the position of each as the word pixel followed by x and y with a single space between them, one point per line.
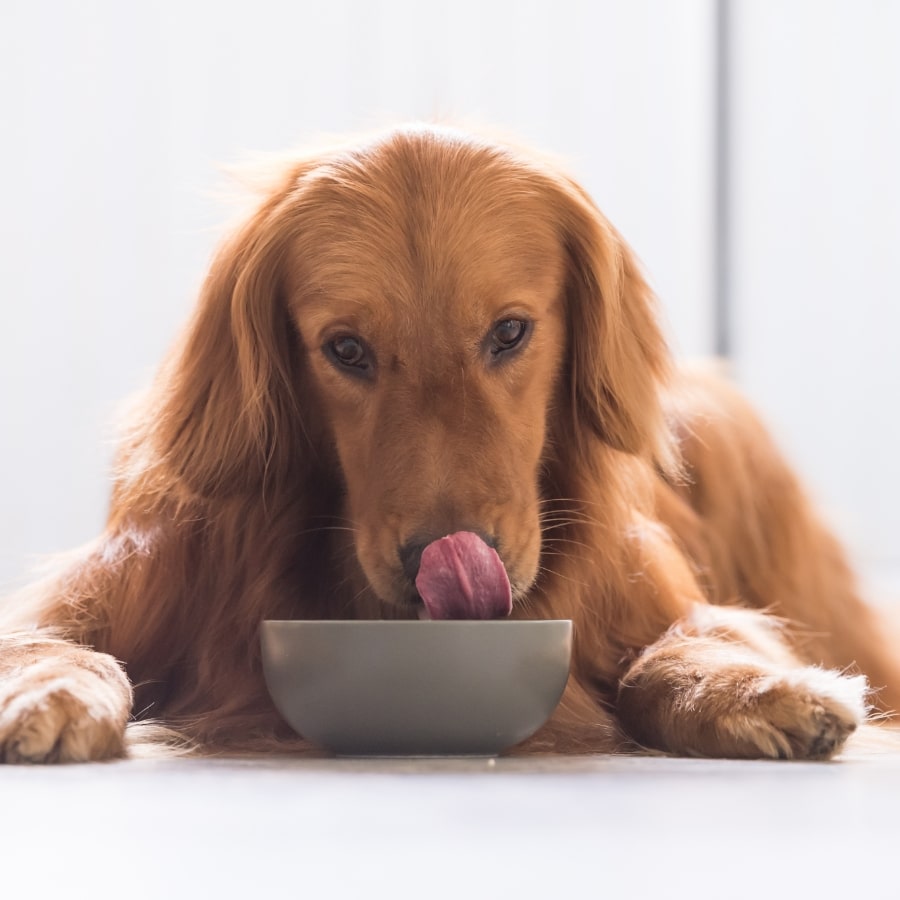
pixel 60 702
pixel 724 683
pixel 765 544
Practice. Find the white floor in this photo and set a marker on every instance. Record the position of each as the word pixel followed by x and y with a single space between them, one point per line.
pixel 556 827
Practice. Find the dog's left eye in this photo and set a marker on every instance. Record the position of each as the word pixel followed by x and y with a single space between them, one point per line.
pixel 350 352
pixel 507 334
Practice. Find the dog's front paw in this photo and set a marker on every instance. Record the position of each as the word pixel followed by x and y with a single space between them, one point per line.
pixel 803 714
pixel 68 707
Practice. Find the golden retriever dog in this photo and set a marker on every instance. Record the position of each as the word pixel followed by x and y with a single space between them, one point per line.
pixel 427 336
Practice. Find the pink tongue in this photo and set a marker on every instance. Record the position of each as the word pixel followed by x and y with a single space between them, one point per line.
pixel 460 577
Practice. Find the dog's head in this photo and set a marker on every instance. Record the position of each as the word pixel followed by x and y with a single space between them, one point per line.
pixel 440 315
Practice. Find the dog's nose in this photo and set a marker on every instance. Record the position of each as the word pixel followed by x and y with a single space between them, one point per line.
pixel 410 553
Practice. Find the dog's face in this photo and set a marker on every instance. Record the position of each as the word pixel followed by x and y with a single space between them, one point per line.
pixel 451 324
pixel 427 289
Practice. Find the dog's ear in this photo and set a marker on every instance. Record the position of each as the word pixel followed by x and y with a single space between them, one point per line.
pixel 225 411
pixel 618 361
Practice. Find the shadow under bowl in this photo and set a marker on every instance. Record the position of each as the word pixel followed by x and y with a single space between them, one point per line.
pixel 416 688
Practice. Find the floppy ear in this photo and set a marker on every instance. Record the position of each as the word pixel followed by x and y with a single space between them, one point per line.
pixel 225 410
pixel 618 360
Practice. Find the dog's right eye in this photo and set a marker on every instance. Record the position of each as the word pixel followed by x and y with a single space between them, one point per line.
pixel 507 335
pixel 350 352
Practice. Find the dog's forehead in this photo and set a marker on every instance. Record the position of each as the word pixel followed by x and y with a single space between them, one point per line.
pixel 430 226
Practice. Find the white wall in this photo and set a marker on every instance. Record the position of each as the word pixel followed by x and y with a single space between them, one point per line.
pixel 114 116
pixel 816 264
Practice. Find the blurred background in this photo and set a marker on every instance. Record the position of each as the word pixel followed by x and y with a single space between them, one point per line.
pixel 749 150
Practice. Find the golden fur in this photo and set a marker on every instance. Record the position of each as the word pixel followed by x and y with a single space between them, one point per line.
pixel 261 478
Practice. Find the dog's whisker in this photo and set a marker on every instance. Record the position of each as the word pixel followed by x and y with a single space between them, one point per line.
pixel 549 571
pixel 564 510
pixel 320 528
pixel 572 516
pixel 579 501
pixel 561 525
pixel 573 543
pixel 366 588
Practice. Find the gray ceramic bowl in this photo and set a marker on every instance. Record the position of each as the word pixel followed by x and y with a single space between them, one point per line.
pixel 457 688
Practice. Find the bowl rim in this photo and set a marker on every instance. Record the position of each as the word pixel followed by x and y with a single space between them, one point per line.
pixel 418 623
